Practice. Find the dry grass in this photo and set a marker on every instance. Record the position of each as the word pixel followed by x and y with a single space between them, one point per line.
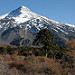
pixel 31 65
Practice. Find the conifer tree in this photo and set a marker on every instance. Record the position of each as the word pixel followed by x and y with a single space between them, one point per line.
pixel 46 39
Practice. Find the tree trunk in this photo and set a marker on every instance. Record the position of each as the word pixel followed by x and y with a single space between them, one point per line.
pixel 46 54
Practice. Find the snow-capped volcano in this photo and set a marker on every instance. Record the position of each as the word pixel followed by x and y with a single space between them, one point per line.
pixel 20 12
pixel 20 15
pixel 20 26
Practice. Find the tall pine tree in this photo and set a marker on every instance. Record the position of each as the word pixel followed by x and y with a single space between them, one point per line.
pixel 46 39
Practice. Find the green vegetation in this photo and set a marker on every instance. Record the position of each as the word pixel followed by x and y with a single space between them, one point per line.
pixel 47 47
pixel 3 50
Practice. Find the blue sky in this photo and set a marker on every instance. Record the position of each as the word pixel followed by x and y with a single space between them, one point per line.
pixel 58 10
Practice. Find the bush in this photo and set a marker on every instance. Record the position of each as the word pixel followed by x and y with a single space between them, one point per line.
pixel 3 50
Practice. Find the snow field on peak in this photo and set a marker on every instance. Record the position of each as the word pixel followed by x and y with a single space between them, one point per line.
pixel 21 20
pixel 3 16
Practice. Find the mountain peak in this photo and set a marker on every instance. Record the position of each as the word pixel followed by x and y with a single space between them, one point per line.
pixel 21 15
pixel 24 8
pixel 21 11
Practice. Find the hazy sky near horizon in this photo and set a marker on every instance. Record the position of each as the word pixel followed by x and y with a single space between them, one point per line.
pixel 58 10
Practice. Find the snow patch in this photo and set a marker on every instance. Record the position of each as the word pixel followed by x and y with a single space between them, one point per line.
pixel 21 20
pixel 62 30
pixel 3 16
